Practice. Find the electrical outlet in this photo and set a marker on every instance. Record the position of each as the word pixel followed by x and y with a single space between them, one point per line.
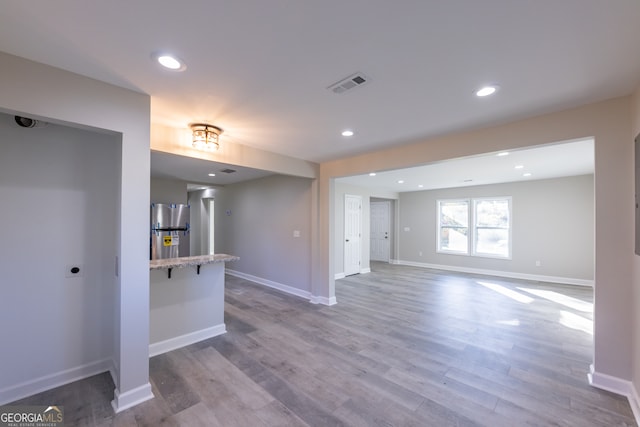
pixel 420 253
pixel 74 270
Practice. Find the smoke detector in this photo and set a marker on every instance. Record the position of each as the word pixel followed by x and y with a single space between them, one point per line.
pixel 348 83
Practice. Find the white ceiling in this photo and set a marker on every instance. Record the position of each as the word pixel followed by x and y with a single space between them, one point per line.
pixel 197 171
pixel 260 69
pixel 550 161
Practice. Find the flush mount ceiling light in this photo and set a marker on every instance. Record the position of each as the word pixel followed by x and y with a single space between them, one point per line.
pixel 487 90
pixel 169 61
pixel 205 136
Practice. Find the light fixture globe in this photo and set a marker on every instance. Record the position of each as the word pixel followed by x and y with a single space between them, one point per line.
pixel 205 136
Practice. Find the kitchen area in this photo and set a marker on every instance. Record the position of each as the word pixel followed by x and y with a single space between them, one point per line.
pixel 186 292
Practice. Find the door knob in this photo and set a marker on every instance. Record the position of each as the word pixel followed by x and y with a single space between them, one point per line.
pixel 346 240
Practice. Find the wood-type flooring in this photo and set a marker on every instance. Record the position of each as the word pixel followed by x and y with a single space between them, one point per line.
pixel 404 346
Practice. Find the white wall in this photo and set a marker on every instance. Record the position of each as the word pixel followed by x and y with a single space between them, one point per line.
pixel 48 93
pixel 60 193
pixel 552 222
pixel 255 220
pixel 635 132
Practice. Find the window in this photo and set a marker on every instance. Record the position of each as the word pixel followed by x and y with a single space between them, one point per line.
pixel 453 226
pixel 476 227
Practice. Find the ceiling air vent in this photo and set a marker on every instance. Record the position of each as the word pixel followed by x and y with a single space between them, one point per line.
pixel 227 171
pixel 353 81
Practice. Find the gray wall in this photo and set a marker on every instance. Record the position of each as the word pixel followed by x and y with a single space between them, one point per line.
pixel 552 221
pixel 164 190
pixel 255 220
pixel 61 199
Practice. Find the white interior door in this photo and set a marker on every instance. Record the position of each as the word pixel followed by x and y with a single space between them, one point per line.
pixel 352 232
pixel 380 225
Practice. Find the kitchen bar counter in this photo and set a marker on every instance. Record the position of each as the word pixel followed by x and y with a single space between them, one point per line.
pixel 187 306
pixel 159 264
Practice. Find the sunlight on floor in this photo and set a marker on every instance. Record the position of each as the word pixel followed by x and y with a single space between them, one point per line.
pixel 512 322
pixel 567 318
pixel 573 321
pixel 565 300
pixel 517 296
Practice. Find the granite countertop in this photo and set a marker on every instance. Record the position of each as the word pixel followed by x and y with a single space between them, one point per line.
pixel 159 264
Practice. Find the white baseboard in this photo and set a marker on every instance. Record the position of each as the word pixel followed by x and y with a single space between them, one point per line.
pixel 185 340
pixel 508 274
pixel 131 398
pixel 47 382
pixel 339 276
pixel 323 300
pixel 271 284
pixel 634 402
pixel 284 288
pixel 618 386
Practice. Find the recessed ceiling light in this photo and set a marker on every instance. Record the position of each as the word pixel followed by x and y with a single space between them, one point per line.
pixel 420 185
pixel 372 174
pixel 400 182
pixel 212 174
pixel 519 167
pixel 347 132
pixel 502 154
pixel 526 174
pixel 169 62
pixel 486 90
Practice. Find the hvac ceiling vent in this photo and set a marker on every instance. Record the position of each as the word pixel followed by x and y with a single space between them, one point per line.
pixel 227 171
pixel 353 81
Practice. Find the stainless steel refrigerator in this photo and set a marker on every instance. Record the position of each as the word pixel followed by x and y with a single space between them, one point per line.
pixel 169 230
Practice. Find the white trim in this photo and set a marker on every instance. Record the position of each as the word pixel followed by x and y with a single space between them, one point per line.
pixel 271 284
pixel 314 299
pixel 509 274
pixel 131 398
pixel 47 382
pixel 618 386
pixel 323 300
pixel 366 270
pixel 634 402
pixel 160 347
pixel 339 276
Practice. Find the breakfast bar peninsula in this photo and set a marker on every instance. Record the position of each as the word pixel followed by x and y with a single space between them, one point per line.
pixel 186 300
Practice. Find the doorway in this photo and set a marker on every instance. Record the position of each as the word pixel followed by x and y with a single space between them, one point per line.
pixel 352 234
pixel 380 231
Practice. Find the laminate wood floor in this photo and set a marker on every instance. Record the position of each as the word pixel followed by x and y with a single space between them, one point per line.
pixel 403 347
